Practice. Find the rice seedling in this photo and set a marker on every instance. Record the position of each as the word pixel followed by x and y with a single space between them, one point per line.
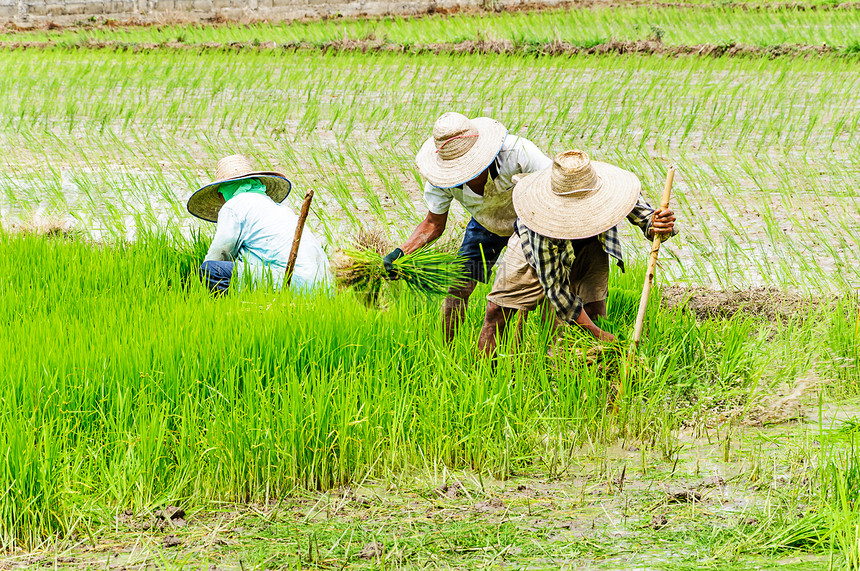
pixel 426 271
pixel 148 392
pixel 211 408
pixel 710 116
pixel 581 27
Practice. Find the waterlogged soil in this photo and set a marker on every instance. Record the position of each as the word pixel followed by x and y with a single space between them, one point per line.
pixel 690 504
pixel 737 210
pixel 770 303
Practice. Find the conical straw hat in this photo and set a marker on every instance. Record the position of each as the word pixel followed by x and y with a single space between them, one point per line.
pixel 205 203
pixel 460 149
pixel 576 197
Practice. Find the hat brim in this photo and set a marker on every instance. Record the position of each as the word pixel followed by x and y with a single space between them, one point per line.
pixel 456 172
pixel 205 203
pixel 574 217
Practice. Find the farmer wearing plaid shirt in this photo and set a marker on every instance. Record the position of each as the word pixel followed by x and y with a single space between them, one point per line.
pixel 565 234
pixel 472 161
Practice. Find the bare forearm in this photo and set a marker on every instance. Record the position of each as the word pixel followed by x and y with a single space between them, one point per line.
pixel 584 321
pixel 426 232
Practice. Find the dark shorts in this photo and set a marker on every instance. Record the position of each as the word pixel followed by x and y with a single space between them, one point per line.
pixel 481 248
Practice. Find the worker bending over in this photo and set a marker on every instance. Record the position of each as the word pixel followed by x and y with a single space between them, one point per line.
pixel 565 234
pixel 473 161
pixel 254 233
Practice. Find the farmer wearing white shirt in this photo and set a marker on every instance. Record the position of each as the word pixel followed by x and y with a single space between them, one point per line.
pixel 474 162
pixel 255 232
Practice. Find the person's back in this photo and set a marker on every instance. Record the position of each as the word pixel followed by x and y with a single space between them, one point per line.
pixel 265 238
pixel 254 232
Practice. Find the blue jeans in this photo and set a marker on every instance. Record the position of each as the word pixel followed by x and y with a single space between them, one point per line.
pixel 481 248
pixel 216 275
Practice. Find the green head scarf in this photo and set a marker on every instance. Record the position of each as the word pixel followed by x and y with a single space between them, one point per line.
pixel 237 187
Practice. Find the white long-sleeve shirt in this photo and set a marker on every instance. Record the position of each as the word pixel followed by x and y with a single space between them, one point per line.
pixel 257 234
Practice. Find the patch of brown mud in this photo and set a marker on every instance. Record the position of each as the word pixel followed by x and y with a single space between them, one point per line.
pixel 41 226
pixel 787 405
pixel 556 48
pixel 73 22
pixel 771 303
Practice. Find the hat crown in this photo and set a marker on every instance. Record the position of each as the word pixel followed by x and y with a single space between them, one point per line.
pixel 454 134
pixel 573 173
pixel 233 166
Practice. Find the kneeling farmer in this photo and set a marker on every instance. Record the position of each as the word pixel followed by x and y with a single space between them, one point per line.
pixel 255 233
pixel 565 233
pixel 473 161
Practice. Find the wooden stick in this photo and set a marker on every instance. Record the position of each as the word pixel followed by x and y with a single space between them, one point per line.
pixel 652 262
pixel 303 215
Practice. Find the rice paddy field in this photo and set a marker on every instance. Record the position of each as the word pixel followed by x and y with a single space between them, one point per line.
pixel 147 425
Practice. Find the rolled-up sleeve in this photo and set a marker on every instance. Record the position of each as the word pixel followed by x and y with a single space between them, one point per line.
pixel 438 199
pixel 225 243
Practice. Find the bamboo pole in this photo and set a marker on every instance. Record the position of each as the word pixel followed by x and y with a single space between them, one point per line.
pixel 652 263
pixel 303 215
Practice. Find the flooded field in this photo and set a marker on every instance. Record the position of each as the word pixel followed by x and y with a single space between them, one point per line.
pixel 765 151
pixel 146 425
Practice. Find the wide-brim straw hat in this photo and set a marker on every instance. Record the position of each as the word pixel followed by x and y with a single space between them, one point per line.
pixel 576 197
pixel 205 202
pixel 460 149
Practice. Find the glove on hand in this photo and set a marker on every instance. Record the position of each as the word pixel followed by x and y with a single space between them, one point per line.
pixel 388 262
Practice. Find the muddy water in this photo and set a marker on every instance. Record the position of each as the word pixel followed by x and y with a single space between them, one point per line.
pixel 614 507
pixel 728 240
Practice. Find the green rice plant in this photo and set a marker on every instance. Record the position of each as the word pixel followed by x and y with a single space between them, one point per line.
pixel 841 347
pixel 161 394
pixel 131 155
pixel 721 25
pixel 838 489
pixel 426 271
pixel 362 271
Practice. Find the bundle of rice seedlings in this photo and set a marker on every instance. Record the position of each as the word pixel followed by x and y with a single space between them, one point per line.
pixel 358 268
pixel 363 272
pixel 425 271
pixel 429 271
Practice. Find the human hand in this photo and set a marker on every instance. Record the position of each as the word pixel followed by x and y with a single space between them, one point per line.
pixel 604 336
pixel 388 262
pixel 663 222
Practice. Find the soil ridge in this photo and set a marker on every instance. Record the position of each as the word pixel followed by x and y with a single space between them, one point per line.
pixel 499 47
pixel 110 20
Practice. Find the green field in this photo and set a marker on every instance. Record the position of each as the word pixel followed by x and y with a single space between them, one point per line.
pixel 721 25
pixel 103 139
pixel 302 432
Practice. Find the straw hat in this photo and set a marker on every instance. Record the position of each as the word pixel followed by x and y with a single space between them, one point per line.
pixel 460 149
pixel 205 203
pixel 576 197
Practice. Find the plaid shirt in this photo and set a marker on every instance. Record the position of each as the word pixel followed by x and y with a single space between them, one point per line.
pixel 552 259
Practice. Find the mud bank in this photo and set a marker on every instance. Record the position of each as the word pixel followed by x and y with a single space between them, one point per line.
pixel 551 49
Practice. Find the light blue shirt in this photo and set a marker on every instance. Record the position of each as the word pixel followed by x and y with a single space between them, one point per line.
pixel 257 234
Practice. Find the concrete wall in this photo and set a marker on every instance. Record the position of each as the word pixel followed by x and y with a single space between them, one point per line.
pixel 34 12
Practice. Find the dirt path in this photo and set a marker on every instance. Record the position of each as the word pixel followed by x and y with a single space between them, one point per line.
pixel 75 22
